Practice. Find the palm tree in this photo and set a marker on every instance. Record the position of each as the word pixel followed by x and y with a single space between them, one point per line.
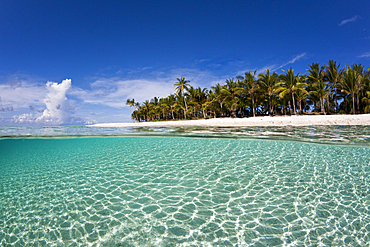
pixel 269 83
pixel 180 105
pixel 163 107
pixel 181 86
pixel 249 86
pixel 217 91
pixel 172 104
pixel 229 92
pixel 146 109
pixel 301 95
pixel 290 84
pixel 316 77
pixel 360 83
pixel 131 103
pixel 349 84
pixel 211 103
pixel 202 94
pixel 333 75
pixel 322 91
pixel 366 100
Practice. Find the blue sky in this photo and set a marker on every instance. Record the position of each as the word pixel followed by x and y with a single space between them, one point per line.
pixel 115 50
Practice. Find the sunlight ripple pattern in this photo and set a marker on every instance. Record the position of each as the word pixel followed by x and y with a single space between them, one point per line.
pixel 158 191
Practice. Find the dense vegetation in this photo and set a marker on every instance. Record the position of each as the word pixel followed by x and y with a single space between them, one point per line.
pixel 324 89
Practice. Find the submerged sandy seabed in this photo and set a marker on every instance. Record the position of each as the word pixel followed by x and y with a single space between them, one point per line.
pixel 254 121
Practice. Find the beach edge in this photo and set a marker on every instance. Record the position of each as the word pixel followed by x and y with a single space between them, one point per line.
pixel 295 120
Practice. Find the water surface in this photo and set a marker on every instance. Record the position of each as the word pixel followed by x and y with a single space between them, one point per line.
pixel 187 186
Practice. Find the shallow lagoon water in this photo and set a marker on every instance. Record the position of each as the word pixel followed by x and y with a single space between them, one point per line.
pixel 185 187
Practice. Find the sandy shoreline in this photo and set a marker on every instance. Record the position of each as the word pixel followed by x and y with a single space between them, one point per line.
pixel 363 119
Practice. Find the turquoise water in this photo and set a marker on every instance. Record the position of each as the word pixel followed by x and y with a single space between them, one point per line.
pixel 184 187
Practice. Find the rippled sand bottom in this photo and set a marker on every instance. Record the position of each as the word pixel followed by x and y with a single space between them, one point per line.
pixel 163 191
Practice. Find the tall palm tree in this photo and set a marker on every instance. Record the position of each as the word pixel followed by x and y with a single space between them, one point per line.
pixel 322 91
pixel 301 95
pixel 269 83
pixel 249 86
pixel 360 83
pixel 211 103
pixel 290 84
pixel 333 75
pixel 202 98
pixel 316 77
pixel 181 86
pixel 349 84
pixel 230 96
pixel 217 91
pixel 131 103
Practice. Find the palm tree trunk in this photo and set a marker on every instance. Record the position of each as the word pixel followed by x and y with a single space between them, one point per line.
pixel 270 112
pixel 335 97
pixel 293 101
pixel 186 106
pixel 322 105
pixel 358 102
pixel 328 103
pixel 353 103
pixel 254 114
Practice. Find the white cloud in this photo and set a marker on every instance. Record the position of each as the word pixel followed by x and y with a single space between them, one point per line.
pixel 21 95
pixel 367 54
pixel 57 109
pixel 297 57
pixel 275 67
pixel 25 118
pixel 353 19
pixel 114 91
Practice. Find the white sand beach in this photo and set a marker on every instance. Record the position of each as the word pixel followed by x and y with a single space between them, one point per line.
pixel 303 120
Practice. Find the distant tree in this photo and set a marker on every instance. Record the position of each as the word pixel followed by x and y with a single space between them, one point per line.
pixel 334 75
pixel 316 76
pixel 349 84
pixel 182 85
pixel 290 85
pixel 131 103
pixel 269 83
pixel 249 87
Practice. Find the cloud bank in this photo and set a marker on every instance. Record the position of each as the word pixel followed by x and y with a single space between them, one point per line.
pixel 115 90
pixel 21 94
pixel 59 110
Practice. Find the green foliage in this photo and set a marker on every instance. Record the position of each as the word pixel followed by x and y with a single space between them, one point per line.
pixel 266 93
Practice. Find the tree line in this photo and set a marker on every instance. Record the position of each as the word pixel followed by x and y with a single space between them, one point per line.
pixel 326 89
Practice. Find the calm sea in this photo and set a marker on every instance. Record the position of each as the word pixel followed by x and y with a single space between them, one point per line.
pixel 276 186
